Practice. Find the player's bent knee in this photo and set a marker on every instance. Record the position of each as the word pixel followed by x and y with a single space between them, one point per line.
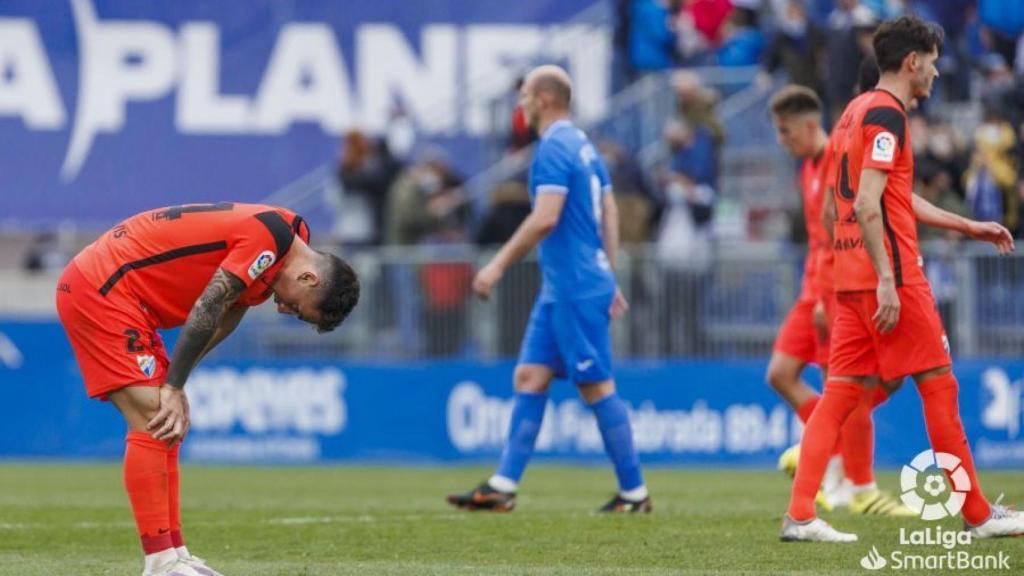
pixel 596 391
pixel 532 379
pixel 138 405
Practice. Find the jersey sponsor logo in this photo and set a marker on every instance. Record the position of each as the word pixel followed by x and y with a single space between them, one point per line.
pixel 884 148
pixel 842 244
pixel 147 363
pixel 259 266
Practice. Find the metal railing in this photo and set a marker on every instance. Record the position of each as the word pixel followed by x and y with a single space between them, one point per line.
pixel 417 303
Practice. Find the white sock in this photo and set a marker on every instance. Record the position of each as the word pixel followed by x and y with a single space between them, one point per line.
pixel 635 495
pixel 863 488
pixel 503 484
pixel 182 552
pixel 160 559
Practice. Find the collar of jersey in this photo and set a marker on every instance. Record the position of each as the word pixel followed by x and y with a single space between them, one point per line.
pixel 555 126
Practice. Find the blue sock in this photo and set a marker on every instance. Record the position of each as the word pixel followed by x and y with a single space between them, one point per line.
pixel 613 422
pixel 523 428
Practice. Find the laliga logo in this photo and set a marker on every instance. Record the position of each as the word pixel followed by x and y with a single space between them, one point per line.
pixel 927 473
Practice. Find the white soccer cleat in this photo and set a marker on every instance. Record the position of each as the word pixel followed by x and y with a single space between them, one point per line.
pixel 1002 522
pixel 173 568
pixel 816 530
pixel 199 565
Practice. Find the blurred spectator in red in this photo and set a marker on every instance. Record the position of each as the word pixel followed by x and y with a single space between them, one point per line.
pixel 520 135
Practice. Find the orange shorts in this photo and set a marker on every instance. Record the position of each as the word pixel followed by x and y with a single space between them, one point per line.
pixel 799 338
pixel 917 343
pixel 115 343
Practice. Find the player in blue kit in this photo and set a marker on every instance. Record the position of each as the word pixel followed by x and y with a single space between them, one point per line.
pixel 575 222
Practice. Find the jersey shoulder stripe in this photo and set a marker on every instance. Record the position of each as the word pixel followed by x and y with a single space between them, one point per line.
pixel 282 233
pixel 889 119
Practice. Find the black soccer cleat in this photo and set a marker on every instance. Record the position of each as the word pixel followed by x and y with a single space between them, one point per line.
pixel 620 505
pixel 483 497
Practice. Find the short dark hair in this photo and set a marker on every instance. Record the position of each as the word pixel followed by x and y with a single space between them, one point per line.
pixel 793 99
pixel 340 292
pixel 894 39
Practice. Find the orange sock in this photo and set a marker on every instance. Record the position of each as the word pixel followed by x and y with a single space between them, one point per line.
pixel 145 478
pixel 840 398
pixel 173 501
pixel 946 432
pixel 857 441
pixel 805 410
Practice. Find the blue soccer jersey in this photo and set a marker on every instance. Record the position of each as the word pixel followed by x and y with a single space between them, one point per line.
pixel 572 258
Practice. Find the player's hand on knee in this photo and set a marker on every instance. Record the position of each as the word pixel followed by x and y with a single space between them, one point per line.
pixel 171 421
pixel 888 313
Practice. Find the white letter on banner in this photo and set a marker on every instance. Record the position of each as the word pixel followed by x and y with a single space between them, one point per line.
pixel 27 88
pixel 121 61
pixel 388 67
pixel 201 109
pixel 306 80
pixel 495 56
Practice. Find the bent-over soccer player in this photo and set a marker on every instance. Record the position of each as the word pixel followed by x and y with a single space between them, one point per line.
pixel 199 266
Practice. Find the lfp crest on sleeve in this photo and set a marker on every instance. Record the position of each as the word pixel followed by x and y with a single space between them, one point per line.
pixel 259 266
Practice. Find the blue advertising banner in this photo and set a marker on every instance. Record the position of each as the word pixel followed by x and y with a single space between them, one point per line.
pixel 110 107
pixel 684 413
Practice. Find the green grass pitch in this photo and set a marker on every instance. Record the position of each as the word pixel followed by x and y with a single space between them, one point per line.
pixel 74 519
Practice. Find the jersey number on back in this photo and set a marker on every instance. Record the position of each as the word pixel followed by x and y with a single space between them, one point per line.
pixel 175 212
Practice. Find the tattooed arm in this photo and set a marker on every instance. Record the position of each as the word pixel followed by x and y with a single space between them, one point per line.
pixel 207 315
pixel 203 321
pixel 231 319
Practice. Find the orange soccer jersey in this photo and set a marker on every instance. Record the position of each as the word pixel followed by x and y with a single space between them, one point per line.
pixel 873 133
pixel 813 174
pixel 166 257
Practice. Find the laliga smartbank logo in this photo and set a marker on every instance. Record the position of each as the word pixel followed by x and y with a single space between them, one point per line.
pixel 925 486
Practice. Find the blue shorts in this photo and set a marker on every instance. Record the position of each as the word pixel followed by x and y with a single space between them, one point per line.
pixel 572 338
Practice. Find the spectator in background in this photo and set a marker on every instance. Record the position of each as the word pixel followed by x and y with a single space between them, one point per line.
pixel 652 35
pixel 992 176
pixel 848 42
pixel 49 252
pixel 520 135
pixel 688 179
pixel 633 196
pixel 422 199
pixel 365 170
pixel 742 41
pixel 510 205
pixel 934 184
pixel 1003 24
pixel 798 47
pixel 696 105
